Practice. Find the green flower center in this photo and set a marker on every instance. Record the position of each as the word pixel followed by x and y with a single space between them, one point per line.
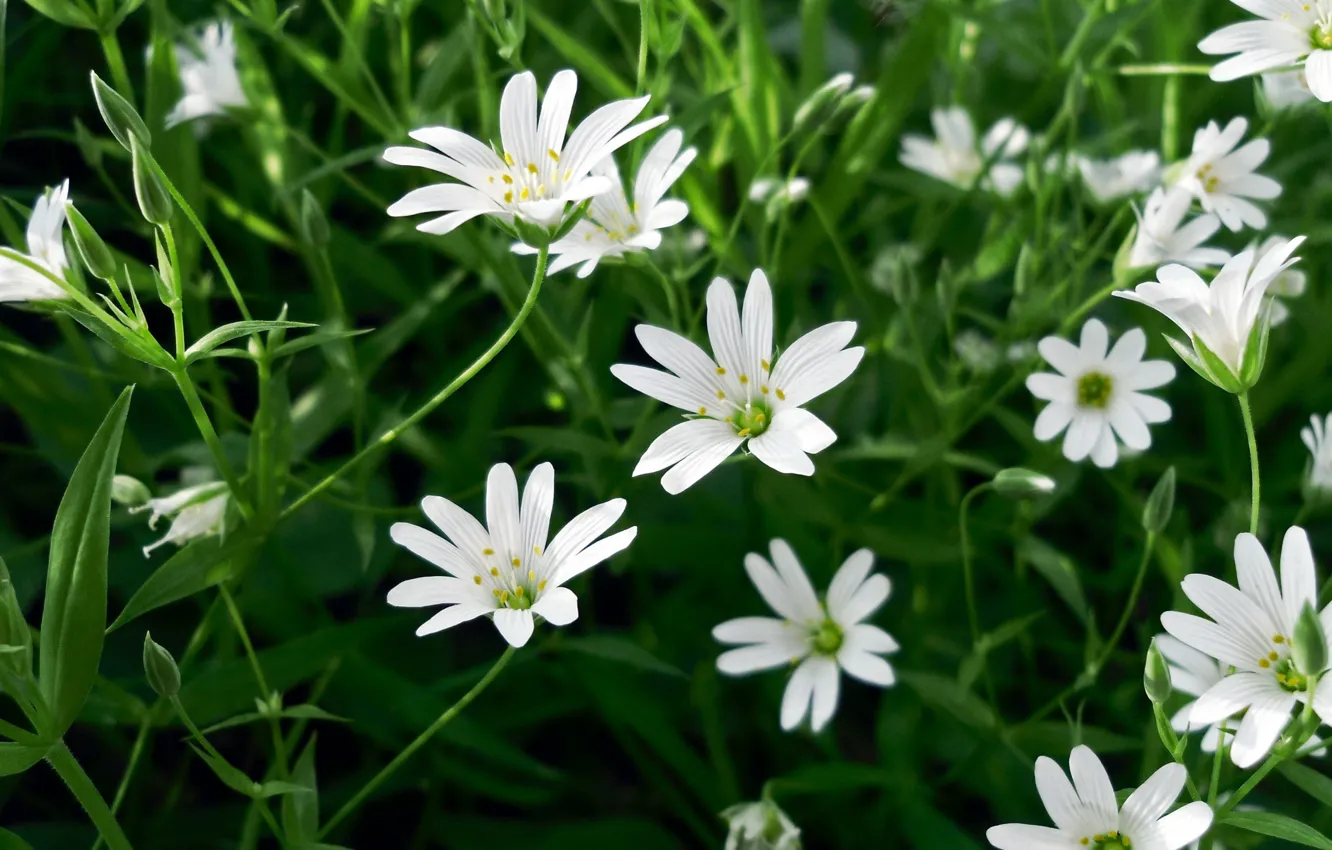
pixel 1321 36
pixel 751 420
pixel 1290 678
pixel 1094 389
pixel 1112 840
pixel 828 638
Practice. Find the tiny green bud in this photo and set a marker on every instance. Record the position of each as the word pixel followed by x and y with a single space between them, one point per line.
pixel 1019 483
pixel 154 200
pixel 129 491
pixel 1156 676
pixel 820 106
pixel 1308 648
pixel 120 116
pixel 1160 504
pixel 96 256
pixel 160 667
pixel 314 226
pixel 15 638
pixel 531 234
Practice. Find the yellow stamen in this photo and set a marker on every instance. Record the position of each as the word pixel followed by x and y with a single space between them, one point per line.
pixel 702 411
pixel 744 379
pixel 476 579
pixel 531 575
pixel 541 585
pixel 519 592
pixel 494 571
pixel 721 394
pixel 1278 639
pixel 763 388
pixel 721 370
pixel 487 551
pixel 517 563
pixel 531 167
pixel 551 153
pixel 766 367
pixel 508 197
pixel 1272 656
pixel 1264 663
pixel 781 395
pixel 509 159
pixel 536 550
pixel 507 179
pixel 491 178
pixel 526 194
pixel 743 432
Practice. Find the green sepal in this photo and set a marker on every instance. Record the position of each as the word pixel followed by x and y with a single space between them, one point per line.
pixel 155 202
pixel 531 234
pixel 1255 350
pixel 96 256
pixel 576 215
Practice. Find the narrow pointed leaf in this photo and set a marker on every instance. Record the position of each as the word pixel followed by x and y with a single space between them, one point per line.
pixel 235 330
pixel 195 568
pixel 300 812
pixel 1278 826
pixel 16 758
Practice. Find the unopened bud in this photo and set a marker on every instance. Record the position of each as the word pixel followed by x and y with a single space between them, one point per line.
pixel 1160 504
pixel 129 491
pixel 760 826
pixel 1156 676
pixel 154 200
pixel 1019 483
pixel 820 106
pixel 96 256
pixel 1308 649
pixel 160 668
pixel 120 116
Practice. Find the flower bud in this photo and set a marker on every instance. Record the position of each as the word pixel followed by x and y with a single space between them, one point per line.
pixel 820 106
pixel 160 667
pixel 1308 649
pixel 1156 676
pixel 1160 504
pixel 314 226
pixel 760 826
pixel 93 251
pixel 120 116
pixel 154 201
pixel 129 491
pixel 15 638
pixel 1019 483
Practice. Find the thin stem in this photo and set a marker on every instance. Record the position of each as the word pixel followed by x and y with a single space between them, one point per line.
pixel 969 585
pixel 279 747
pixel 1132 601
pixel 453 711
pixel 1256 484
pixel 1217 759
pixel 178 292
pixel 136 754
pixel 644 8
pixel 467 374
pixel 210 437
pixel 1276 758
pixel 1163 69
pixel 86 793
pixel 116 61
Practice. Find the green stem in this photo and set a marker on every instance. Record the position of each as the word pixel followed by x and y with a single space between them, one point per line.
pixel 1217 759
pixel 466 375
pixel 1132 602
pixel 1276 758
pixel 178 291
pixel 420 741
pixel 973 618
pixel 1253 461
pixel 644 9
pixel 71 771
pixel 265 693
pixel 210 437
pixel 116 61
pixel 1163 69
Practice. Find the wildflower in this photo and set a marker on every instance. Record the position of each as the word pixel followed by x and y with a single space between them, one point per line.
pixel 1223 178
pixel 1286 89
pixel 818 638
pixel 1193 673
pixel 1128 174
pixel 746 396
pixel 976 351
pixel 46 247
pixel 208 78
pixel 1161 239
pixel 613 227
pixel 1098 396
pixel 775 191
pixel 1290 33
pixel 1253 629
pixel 1086 813
pixel 1221 320
pixel 506 569
pixel 196 511
pixel 1318 438
pixel 537 171
pixel 954 157
pixel 760 826
pixel 1290 283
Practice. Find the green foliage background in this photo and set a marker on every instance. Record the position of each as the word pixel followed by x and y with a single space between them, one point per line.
pixel 617 731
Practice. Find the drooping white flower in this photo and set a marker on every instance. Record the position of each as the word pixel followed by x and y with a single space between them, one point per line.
pixel 1221 317
pixel 209 81
pixel 535 174
pixel 1290 283
pixel 1097 395
pixel 506 569
pixel 46 247
pixel 1287 89
pixel 1161 238
pixel 1087 815
pixel 613 227
pixel 760 826
pixel 1121 177
pixel 953 156
pixel 1223 178
pixel 1291 32
pixel 747 395
pixel 1251 629
pixel 820 638
pixel 1193 673
pixel 196 511
pixel 1318 438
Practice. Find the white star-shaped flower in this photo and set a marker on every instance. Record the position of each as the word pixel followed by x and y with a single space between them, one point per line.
pixel 747 395
pixel 953 156
pixel 1287 89
pixel 1223 178
pixel 209 81
pixel 1290 32
pixel 1289 283
pixel 1318 438
pixel 820 638
pixel 1127 174
pixel 1162 236
pixel 759 826
pixel 46 247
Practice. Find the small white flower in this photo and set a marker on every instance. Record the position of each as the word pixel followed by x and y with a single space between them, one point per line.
pixel 1222 178
pixel 1097 395
pixel 1087 815
pixel 1221 316
pixel 208 79
pixel 46 247
pixel 1251 629
pixel 1193 673
pixel 1127 174
pixel 954 157
pixel 976 351
pixel 746 396
pixel 1318 438
pixel 1291 32
pixel 613 227
pixel 760 826
pixel 819 638
pixel 195 511
pixel 791 191
pixel 1161 239
pixel 1290 283
pixel 1287 89
pixel 538 171
pixel 505 568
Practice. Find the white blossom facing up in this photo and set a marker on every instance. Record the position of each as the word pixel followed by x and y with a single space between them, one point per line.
pixel 1289 283
pixel 196 511
pixel 1289 32
pixel 954 156
pixel 820 638
pixel 537 171
pixel 1086 813
pixel 1252 629
pixel 1287 89
pixel 759 826
pixel 46 248
pixel 1318 438
pixel 1126 175
pixel 613 226
pixel 1098 395
pixel 1223 179
pixel 209 81
pixel 747 395
pixel 1162 236
pixel 506 569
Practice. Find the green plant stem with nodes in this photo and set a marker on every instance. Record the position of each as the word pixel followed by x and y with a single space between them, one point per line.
pixel 178 290
pixel 1163 69
pixel 1255 481
pixel 973 618
pixel 115 60
pixel 60 758
pixel 424 410
pixel 209 434
pixel 443 720
pixel 1148 547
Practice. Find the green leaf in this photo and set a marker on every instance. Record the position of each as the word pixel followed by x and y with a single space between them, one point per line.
pixel 276 789
pixel 296 712
pixel 622 651
pixel 232 777
pixel 1308 780
pixel 832 778
pixel 1059 570
pixel 235 330
pixel 199 566
pixel 313 340
pixel 300 812
pixel 1278 826
pixel 68 14
pixel 10 841
pixel 74 616
pixel 943 692
pixel 16 758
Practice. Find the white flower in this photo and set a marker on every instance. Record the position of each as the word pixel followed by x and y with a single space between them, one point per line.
pixel 954 157
pixel 1290 283
pixel 208 79
pixel 1127 174
pixel 1318 437
pixel 1087 815
pixel 1251 630
pixel 1097 396
pixel 1222 178
pixel 196 511
pixel 819 638
pixel 506 568
pixel 1193 673
pixel 537 173
pixel 1286 89
pixel 613 227
pixel 743 397
pixel 46 247
pixel 1290 31
pixel 1161 239
pixel 976 351
pixel 760 826
pixel 791 191
pixel 1222 316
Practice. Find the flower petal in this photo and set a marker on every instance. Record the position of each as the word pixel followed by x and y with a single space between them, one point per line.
pixel 799 690
pixel 781 451
pixel 827 687
pixel 450 617
pixel 848 579
pixel 515 626
pixel 558 605
pixel 867 667
pixel 867 599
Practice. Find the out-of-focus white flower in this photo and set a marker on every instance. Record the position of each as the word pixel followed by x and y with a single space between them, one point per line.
pixel 1097 395
pixel 772 189
pixel 1287 89
pixel 1162 239
pixel 976 351
pixel 954 156
pixel 46 247
pixel 1318 438
pixel 760 826
pixel 208 79
pixel 195 511
pixel 1291 32
pixel 1127 174
pixel 819 638
pixel 1290 283
pixel 1223 178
